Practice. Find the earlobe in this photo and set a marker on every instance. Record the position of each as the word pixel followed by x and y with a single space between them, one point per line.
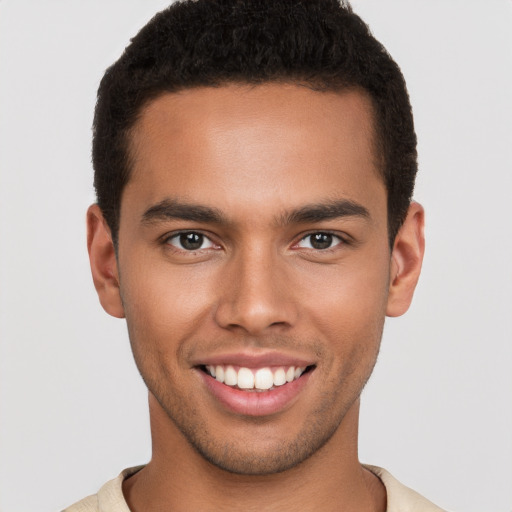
pixel 103 262
pixel 406 260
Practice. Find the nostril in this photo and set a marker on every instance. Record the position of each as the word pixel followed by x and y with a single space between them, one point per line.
pixel 278 324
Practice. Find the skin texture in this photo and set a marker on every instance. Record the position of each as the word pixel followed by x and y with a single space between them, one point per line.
pixel 256 286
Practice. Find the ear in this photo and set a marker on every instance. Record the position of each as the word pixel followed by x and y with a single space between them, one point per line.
pixel 406 260
pixel 103 262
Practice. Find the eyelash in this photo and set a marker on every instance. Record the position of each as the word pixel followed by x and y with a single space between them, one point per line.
pixel 167 240
pixel 341 241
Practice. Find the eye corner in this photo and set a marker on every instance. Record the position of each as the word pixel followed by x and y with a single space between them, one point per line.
pixel 321 241
pixel 189 241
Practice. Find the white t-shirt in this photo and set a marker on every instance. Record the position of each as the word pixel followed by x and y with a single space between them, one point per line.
pixel 399 497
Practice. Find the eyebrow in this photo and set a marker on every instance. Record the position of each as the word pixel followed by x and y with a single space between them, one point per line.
pixel 318 212
pixel 170 209
pixel 173 209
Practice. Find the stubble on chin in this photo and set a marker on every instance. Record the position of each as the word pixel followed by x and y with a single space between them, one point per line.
pixel 267 454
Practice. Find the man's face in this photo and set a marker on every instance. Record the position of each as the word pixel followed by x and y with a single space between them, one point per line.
pixel 253 243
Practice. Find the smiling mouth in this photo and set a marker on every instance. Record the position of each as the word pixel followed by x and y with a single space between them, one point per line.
pixel 256 380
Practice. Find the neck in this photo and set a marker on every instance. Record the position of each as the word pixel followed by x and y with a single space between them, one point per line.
pixel 178 478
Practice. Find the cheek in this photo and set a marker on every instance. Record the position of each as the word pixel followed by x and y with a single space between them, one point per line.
pixel 353 288
pixel 349 306
pixel 351 325
pixel 166 305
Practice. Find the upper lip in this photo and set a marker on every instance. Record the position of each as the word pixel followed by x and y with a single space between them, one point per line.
pixel 254 360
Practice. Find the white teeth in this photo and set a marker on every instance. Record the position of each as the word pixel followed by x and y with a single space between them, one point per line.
pixel 230 376
pixel 245 378
pixel 263 379
pixel 279 377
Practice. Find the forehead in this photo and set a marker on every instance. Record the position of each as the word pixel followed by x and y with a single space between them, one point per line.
pixel 272 144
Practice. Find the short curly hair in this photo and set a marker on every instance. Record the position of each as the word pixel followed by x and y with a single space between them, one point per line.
pixel 322 44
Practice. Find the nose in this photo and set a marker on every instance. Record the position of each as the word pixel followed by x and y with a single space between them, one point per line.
pixel 255 295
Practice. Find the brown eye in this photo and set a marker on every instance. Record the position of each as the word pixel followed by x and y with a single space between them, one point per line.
pixel 319 241
pixel 190 241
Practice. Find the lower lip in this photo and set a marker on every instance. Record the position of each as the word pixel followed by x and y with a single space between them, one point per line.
pixel 256 403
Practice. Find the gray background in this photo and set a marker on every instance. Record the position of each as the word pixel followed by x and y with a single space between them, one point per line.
pixel 438 412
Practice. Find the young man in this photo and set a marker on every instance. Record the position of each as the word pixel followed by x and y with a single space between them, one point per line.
pixel 254 167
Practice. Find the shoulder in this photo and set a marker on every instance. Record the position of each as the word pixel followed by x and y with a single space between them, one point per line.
pixel 109 498
pixel 89 504
pixel 401 498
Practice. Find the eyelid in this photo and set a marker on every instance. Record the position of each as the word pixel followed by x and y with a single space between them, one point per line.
pixel 165 239
pixel 342 237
